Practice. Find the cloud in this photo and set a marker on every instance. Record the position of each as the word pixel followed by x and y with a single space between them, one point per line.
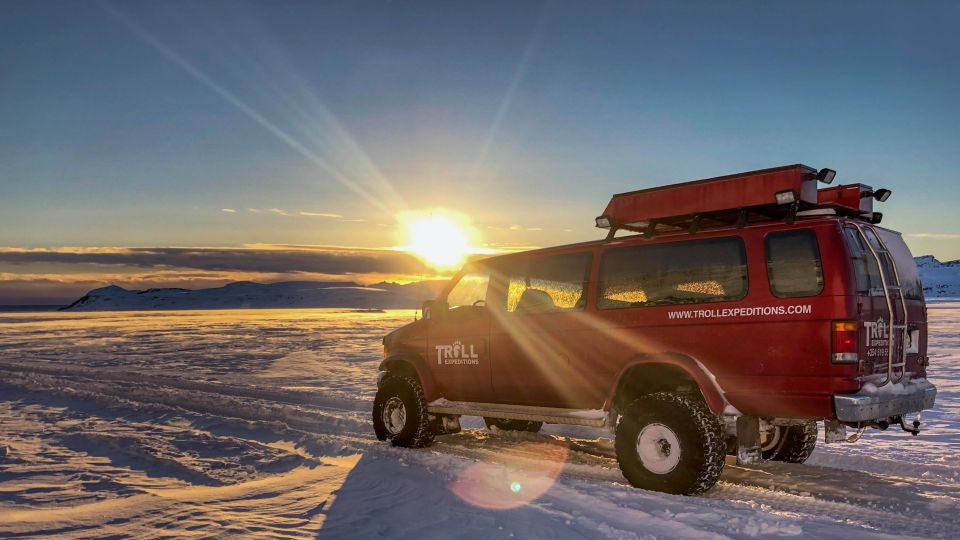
pixel 329 260
pixel 290 213
pixel 229 210
pixel 59 276
pixel 939 236
pixel 320 214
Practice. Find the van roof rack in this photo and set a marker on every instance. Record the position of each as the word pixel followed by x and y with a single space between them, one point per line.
pixel 741 199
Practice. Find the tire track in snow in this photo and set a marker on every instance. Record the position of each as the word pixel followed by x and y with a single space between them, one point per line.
pixel 290 396
pixel 850 497
pixel 819 494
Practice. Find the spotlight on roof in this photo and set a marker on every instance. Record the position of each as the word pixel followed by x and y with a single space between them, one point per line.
pixel 603 222
pixel 826 175
pixel 786 197
pixel 881 194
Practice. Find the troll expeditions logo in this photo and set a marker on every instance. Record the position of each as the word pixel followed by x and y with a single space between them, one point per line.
pixel 457 354
pixel 877 336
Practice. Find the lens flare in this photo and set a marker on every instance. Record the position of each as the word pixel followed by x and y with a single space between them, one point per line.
pixel 526 471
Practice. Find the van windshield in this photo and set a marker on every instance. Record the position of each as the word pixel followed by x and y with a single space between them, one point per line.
pixel 470 290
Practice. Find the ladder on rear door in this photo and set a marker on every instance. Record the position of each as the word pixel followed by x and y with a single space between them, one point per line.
pixel 896 327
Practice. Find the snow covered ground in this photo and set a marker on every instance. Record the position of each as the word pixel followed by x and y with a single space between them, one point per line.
pixel 255 423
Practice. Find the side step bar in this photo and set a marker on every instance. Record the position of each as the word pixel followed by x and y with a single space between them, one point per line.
pixel 549 415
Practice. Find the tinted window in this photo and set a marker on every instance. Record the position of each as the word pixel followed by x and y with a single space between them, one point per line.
pixel 471 289
pixel 548 284
pixel 865 267
pixel 682 273
pixel 793 264
pixel 885 261
pixel 906 266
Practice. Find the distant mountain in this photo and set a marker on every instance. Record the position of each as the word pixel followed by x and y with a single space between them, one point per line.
pixel 940 279
pixel 248 295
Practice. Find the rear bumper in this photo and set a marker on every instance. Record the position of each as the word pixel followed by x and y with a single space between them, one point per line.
pixel 862 407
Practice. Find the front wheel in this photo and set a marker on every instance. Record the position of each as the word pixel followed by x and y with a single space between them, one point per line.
pixel 400 413
pixel 671 443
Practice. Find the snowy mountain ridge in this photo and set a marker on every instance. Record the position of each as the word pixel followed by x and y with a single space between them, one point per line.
pixel 940 279
pixel 251 295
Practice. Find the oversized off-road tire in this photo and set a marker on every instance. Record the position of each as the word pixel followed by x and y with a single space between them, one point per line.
pixel 671 443
pixel 513 425
pixel 791 444
pixel 400 413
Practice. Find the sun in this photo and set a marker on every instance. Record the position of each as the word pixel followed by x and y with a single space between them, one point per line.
pixel 440 238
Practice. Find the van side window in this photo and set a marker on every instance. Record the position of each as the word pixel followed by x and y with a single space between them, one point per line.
pixel 793 263
pixel 471 289
pixel 681 273
pixel 549 284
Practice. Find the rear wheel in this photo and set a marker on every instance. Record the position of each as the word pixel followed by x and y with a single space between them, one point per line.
pixel 791 444
pixel 400 413
pixel 671 443
pixel 513 425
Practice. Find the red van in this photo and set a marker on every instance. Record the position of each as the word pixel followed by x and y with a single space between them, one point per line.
pixel 740 311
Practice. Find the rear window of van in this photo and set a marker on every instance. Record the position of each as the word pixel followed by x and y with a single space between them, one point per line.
pixel 793 263
pixel 690 272
pixel 906 266
pixel 867 272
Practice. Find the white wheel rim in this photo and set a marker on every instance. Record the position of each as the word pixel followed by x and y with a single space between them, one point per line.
pixel 394 415
pixel 658 448
pixel 770 439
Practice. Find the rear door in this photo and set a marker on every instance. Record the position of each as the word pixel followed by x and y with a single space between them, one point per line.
pixel 908 276
pixel 882 324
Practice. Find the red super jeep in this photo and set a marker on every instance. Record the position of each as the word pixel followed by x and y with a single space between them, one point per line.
pixel 742 310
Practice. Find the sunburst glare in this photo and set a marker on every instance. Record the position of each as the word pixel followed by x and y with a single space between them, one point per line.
pixel 441 238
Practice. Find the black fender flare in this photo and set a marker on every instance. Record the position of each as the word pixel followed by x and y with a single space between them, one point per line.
pixel 413 364
pixel 712 392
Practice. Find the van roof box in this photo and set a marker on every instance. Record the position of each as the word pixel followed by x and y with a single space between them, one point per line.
pixel 856 197
pixel 777 193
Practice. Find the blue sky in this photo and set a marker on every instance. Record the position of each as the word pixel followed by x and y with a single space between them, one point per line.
pixel 135 124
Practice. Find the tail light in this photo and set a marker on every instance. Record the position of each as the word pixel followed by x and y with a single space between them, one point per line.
pixel 846 340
